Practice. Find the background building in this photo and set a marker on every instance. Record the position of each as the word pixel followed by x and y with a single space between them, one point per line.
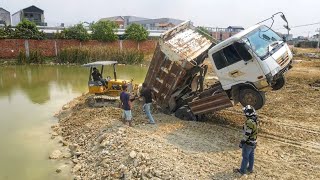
pixel 31 13
pixel 224 33
pixel 314 37
pixel 5 18
pixel 123 21
pixel 159 24
pixel 150 24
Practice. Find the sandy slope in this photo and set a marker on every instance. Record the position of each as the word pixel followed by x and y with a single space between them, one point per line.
pixel 288 147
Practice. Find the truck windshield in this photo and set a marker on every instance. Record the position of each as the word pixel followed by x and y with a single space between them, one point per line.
pixel 263 41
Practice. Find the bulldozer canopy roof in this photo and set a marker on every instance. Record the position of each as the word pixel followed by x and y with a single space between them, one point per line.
pixel 100 63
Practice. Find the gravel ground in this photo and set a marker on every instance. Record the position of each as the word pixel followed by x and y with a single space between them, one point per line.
pixel 100 146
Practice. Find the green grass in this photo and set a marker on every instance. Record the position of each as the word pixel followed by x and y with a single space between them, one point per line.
pixel 90 54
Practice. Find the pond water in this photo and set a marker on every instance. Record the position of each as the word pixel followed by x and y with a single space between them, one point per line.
pixel 29 97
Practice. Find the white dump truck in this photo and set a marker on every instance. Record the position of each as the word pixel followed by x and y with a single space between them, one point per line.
pixel 247 65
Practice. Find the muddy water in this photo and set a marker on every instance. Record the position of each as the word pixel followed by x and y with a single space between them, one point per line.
pixel 29 97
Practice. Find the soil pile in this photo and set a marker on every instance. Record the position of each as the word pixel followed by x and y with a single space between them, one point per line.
pixel 102 147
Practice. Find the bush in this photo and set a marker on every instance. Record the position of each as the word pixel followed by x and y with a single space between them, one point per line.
pixel 22 58
pixel 74 55
pixel 136 32
pixel 90 54
pixel 75 32
pixel 26 30
pixel 3 34
pixel 307 44
pixel 35 57
pixel 104 31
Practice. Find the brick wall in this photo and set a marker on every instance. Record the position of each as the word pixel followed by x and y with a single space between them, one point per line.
pixel 47 47
pixel 10 48
pixel 220 36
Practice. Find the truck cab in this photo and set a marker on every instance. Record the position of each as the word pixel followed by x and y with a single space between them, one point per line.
pixel 250 62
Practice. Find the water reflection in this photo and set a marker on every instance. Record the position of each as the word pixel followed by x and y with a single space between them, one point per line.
pixel 34 81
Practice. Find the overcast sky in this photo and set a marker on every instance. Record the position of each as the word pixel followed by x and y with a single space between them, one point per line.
pixel 213 13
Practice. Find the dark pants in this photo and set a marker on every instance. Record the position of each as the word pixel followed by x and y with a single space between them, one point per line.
pixel 247 157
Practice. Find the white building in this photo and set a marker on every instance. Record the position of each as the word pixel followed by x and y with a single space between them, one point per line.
pixel 5 18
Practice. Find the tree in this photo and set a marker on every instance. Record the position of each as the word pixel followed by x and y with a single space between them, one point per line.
pixel 104 31
pixel 27 30
pixel 136 32
pixel 77 31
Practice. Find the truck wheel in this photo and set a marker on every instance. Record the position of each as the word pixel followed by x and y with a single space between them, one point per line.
pixel 185 113
pixel 279 83
pixel 252 97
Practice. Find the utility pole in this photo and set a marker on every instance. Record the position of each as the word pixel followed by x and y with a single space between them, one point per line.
pixel 318 30
pixel 216 33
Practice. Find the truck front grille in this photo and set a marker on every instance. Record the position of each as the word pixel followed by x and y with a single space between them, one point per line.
pixel 283 60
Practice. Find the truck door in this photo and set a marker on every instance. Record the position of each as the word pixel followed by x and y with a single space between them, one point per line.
pixel 221 69
pixel 242 67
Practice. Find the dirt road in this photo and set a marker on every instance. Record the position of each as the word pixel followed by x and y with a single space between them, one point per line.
pixel 288 142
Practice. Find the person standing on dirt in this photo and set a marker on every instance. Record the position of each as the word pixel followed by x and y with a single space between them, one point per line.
pixel 126 105
pixel 146 93
pixel 249 141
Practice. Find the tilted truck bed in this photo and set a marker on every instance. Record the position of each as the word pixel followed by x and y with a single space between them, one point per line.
pixel 176 74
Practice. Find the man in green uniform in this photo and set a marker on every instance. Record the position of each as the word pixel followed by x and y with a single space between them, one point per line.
pixel 249 141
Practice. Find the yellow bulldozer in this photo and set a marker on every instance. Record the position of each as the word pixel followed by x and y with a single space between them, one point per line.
pixel 107 89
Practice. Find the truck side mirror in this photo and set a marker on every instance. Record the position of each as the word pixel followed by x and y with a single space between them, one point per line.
pixel 284 18
pixel 243 51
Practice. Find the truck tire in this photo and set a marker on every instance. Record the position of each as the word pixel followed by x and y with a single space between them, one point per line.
pixel 185 113
pixel 279 83
pixel 249 96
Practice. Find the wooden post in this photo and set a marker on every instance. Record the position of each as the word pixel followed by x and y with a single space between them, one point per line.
pixel 120 43
pixel 55 48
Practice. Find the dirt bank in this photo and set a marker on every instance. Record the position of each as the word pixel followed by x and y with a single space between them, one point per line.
pixel 288 148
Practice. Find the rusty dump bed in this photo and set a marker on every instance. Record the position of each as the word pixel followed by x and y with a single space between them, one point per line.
pixel 163 76
pixel 215 101
pixel 176 74
pixel 183 43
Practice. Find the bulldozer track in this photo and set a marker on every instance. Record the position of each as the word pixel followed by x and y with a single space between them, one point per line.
pixel 310 146
pixel 262 119
pixel 295 126
pixel 288 140
pixel 100 100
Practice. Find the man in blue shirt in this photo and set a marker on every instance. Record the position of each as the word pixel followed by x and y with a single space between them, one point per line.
pixel 126 105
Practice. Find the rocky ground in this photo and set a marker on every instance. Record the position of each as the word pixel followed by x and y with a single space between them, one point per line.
pixel 100 146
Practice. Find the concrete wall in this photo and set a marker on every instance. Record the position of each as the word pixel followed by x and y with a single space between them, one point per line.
pixel 5 16
pixel 10 48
